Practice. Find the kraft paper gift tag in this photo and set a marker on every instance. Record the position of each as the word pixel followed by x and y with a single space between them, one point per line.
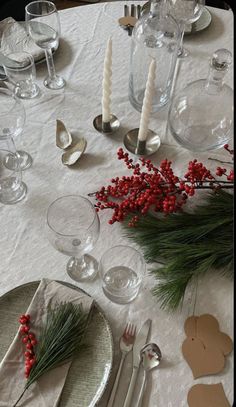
pixel 206 346
pixel 207 395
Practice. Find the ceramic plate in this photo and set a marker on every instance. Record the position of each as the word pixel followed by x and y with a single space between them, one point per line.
pixel 89 374
pixel 203 22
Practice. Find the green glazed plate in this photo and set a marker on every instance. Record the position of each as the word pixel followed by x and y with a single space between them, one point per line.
pixel 88 374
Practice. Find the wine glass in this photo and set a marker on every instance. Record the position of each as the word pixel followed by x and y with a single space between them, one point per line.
pixel 43 26
pixel 73 229
pixel 12 120
pixel 185 12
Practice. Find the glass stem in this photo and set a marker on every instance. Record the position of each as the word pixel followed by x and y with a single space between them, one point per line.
pixel 182 27
pixel 50 64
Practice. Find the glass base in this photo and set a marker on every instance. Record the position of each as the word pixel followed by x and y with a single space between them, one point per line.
pixel 83 269
pixel 10 197
pixel 121 284
pixel 27 92
pixel 22 162
pixel 121 299
pixel 56 83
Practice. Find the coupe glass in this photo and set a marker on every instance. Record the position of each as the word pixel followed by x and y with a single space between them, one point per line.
pixel 43 26
pixel 185 12
pixel 73 229
pixel 12 120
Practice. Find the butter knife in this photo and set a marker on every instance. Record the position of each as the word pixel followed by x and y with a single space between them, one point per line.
pixel 141 339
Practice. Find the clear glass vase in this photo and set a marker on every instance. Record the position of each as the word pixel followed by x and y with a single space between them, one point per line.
pixel 201 115
pixel 155 36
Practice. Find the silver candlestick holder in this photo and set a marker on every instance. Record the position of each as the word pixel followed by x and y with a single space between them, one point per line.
pixel 106 127
pixel 141 147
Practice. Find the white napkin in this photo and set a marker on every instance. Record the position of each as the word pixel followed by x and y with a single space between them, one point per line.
pixel 46 391
pixel 14 38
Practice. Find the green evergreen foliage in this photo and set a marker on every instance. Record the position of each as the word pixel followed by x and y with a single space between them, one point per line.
pixel 188 245
pixel 61 338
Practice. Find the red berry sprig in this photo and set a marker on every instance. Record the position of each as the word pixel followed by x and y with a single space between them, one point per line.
pixel 156 188
pixel 29 339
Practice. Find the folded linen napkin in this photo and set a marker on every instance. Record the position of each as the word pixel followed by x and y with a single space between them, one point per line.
pixel 14 38
pixel 46 391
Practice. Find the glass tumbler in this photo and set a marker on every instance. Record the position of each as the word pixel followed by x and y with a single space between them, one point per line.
pixel 122 269
pixel 23 77
pixel 12 189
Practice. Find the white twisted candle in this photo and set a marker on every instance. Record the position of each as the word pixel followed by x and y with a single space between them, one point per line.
pixel 147 102
pixel 106 83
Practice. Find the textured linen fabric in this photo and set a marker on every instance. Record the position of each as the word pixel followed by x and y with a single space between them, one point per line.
pixel 46 391
pixel 14 38
pixel 26 254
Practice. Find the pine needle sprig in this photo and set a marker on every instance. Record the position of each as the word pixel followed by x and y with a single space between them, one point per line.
pixel 188 245
pixel 61 339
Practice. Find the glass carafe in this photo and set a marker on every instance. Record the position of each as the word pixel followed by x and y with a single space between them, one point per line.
pixel 201 115
pixel 155 36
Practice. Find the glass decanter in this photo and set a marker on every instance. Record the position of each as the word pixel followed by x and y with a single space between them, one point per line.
pixel 201 115
pixel 156 35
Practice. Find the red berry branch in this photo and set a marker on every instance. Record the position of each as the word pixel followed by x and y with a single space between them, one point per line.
pixel 30 341
pixel 156 188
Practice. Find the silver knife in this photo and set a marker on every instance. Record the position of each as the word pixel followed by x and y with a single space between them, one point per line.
pixel 141 339
pixel 8 61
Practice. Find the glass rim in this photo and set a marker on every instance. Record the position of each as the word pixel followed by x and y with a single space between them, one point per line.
pixel 68 196
pixel 20 68
pixel 16 101
pixel 125 247
pixel 40 15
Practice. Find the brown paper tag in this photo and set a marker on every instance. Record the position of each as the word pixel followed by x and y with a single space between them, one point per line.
pixel 205 347
pixel 190 326
pixel 208 331
pixel 207 395
pixel 203 360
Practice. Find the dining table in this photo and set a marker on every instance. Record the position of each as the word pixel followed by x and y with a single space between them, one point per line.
pixel 27 255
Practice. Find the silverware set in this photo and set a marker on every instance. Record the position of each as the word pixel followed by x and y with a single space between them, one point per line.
pixel 131 16
pixel 147 354
pixel 126 345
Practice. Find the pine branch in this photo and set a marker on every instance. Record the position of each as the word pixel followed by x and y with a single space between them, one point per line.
pixel 61 338
pixel 189 245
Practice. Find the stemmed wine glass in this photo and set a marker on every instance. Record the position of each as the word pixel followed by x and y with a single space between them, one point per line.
pixel 43 26
pixel 73 229
pixel 12 120
pixel 185 12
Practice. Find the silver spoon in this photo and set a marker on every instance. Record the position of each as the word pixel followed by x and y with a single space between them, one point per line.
pixel 150 356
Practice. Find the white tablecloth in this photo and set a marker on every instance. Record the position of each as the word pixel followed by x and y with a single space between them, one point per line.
pixel 26 254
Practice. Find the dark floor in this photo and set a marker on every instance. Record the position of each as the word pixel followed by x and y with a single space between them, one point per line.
pixel 62 4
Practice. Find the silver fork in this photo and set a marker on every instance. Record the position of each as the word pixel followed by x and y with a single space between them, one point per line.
pixel 135 11
pixel 126 344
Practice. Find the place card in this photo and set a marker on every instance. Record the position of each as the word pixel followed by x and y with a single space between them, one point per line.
pixel 206 395
pixel 206 346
